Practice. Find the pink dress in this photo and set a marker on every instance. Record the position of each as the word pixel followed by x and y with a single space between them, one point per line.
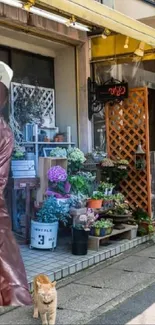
pixel 13 283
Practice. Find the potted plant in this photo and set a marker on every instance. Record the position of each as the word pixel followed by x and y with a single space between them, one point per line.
pixel 106 188
pixel 80 232
pixel 58 152
pixel 145 224
pixel 82 183
pixel 76 160
pixel 122 163
pixel 44 228
pixel 102 228
pixel 96 200
pixel 58 183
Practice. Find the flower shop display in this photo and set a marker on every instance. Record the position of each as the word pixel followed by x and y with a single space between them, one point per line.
pixel 102 227
pixel 44 228
pixel 122 164
pixel 146 225
pixel 95 202
pixel 58 183
pixel 113 170
pixel 82 183
pixel 106 188
pixel 58 152
pixel 76 159
pixel 80 232
pixel 120 214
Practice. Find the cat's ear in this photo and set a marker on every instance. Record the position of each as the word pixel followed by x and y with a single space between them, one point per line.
pixel 53 283
pixel 38 284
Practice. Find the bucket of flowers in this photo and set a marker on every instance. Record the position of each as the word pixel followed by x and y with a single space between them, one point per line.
pixel 80 232
pixel 44 228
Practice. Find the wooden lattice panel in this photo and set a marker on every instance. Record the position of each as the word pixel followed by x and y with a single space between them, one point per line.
pixel 127 125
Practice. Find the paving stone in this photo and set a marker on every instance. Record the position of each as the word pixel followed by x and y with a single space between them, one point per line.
pixel 136 263
pixel 114 279
pixel 82 298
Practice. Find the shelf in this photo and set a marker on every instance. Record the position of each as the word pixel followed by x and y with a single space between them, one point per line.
pixel 47 143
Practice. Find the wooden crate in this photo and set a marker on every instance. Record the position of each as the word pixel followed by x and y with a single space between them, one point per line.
pixel 45 163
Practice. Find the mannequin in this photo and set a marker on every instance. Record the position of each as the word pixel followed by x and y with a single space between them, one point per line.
pixel 13 284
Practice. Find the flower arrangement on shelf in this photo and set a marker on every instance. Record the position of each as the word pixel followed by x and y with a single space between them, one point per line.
pixel 58 182
pixel 107 162
pixel 53 210
pixel 122 163
pixel 102 227
pixel 76 159
pixel 121 209
pixel 96 200
pixel 85 221
pixel 58 152
pixel 106 188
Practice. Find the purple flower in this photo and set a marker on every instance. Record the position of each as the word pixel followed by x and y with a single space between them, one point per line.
pixel 57 174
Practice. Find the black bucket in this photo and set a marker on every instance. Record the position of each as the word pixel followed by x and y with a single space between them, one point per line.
pixel 79 241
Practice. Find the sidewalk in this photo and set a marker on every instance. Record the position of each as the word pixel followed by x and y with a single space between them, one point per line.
pixel 90 293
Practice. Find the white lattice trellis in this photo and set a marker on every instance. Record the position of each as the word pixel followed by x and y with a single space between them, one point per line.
pixel 45 97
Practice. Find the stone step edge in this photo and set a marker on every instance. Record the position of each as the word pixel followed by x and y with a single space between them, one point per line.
pixel 96 259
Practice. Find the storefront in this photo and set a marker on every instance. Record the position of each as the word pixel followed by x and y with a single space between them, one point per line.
pixel 51 59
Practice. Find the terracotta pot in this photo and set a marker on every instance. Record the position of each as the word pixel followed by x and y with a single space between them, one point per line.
pixel 145 225
pixel 94 204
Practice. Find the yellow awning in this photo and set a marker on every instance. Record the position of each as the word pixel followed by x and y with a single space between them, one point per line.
pixel 95 14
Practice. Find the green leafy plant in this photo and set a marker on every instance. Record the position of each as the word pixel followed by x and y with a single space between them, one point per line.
pixel 120 209
pixel 58 152
pixel 18 155
pixel 53 210
pixel 97 195
pixel 103 223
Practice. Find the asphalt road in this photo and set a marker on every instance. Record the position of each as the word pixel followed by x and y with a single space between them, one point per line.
pixel 137 310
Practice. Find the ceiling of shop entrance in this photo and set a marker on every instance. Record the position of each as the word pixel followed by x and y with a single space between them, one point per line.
pixel 30 43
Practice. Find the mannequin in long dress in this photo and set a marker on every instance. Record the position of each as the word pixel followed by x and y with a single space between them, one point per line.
pixel 14 289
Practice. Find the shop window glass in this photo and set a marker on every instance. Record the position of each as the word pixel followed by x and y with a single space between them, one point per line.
pixel 32 69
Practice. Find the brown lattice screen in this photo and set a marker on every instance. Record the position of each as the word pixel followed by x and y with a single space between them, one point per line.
pixel 127 125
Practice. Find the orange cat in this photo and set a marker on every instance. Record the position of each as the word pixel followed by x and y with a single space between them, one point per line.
pixel 45 299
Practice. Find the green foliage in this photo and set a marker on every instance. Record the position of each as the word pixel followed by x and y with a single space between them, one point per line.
pixel 97 195
pixel 53 210
pixel 103 223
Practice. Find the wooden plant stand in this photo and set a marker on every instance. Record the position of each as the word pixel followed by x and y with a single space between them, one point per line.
pixel 129 232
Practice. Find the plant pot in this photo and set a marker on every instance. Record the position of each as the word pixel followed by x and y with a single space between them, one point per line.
pixel 44 235
pixel 94 204
pixel 79 241
pixel 108 231
pixel 145 226
pixel 97 232
pixel 92 231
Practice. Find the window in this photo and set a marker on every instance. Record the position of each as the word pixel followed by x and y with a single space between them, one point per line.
pixel 32 69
